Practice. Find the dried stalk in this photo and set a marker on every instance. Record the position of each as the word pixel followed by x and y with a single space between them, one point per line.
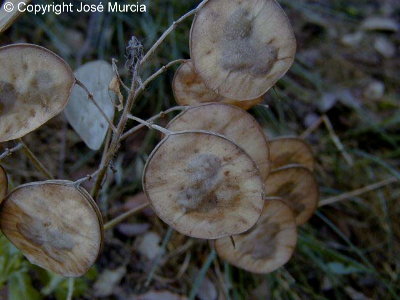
pixel 359 192
pixel 35 161
pixel 10 151
pixel 112 223
pixel 134 93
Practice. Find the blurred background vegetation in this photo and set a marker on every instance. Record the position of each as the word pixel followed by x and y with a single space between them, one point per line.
pixel 346 70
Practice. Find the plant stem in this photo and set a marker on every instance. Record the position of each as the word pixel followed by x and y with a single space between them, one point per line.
pixel 91 98
pixel 35 161
pixel 112 223
pixel 71 283
pixel 170 29
pixel 359 192
pixel 150 125
pixel 153 118
pixel 10 151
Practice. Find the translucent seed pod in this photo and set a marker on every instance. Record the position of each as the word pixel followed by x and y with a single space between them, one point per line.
pixel 55 224
pixel 231 122
pixel 265 247
pixel 203 185
pixel 290 150
pixel 35 85
pixel 189 89
pixel 241 48
pixel 297 186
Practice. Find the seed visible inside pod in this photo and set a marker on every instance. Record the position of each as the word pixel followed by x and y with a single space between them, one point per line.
pixel 265 247
pixel 56 225
pixel 81 113
pixel 231 122
pixel 288 151
pixel 3 184
pixel 242 48
pixel 8 17
pixel 203 185
pixel 189 89
pixel 297 187
pixel 35 85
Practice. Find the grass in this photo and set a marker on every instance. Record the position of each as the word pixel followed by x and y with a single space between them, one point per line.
pixel 348 251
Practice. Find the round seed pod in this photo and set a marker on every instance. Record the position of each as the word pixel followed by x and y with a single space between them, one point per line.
pixel 242 48
pixel 231 122
pixel 203 185
pixel 297 186
pixel 35 85
pixel 290 150
pixel 189 89
pixel 7 18
pixel 55 224
pixel 3 184
pixel 267 246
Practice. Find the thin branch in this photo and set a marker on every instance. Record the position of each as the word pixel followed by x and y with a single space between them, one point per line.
pixel 115 68
pixel 151 125
pixel 86 178
pixel 91 98
pixel 71 284
pixel 152 119
pixel 170 29
pixel 35 161
pixel 158 73
pixel 359 192
pixel 10 151
pixel 112 223
pixel 324 119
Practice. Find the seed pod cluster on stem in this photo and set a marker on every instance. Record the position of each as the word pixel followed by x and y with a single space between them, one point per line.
pixel 214 175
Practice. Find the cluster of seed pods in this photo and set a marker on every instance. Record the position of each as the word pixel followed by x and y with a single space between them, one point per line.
pixel 214 175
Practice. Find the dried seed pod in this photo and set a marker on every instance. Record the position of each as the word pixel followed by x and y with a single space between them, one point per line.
pixel 231 122
pixel 242 48
pixel 3 184
pixel 290 150
pixel 35 85
pixel 297 186
pixel 56 225
pixel 81 113
pixel 203 185
pixel 189 89
pixel 6 17
pixel 265 247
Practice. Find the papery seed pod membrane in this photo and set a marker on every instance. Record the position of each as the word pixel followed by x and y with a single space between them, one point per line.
pixel 56 225
pixel 297 186
pixel 3 184
pixel 241 48
pixel 289 150
pixel 81 113
pixel 7 18
pixel 265 247
pixel 189 89
pixel 35 85
pixel 231 122
pixel 203 185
